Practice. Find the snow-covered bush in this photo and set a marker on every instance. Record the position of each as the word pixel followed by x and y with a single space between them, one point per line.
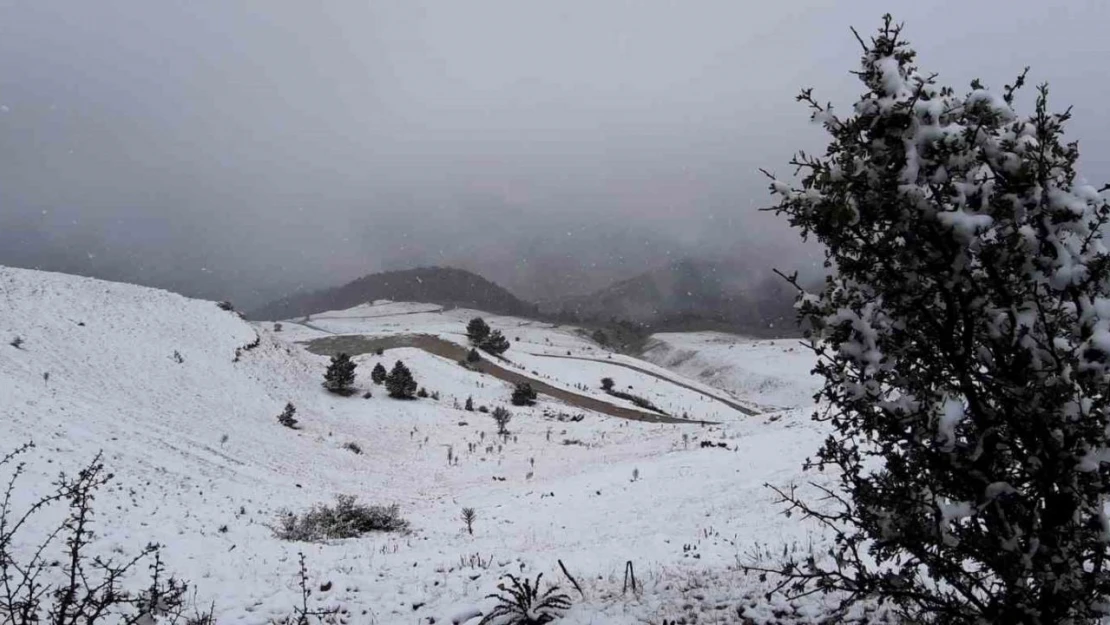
pixel 286 417
pixel 346 519
pixel 965 345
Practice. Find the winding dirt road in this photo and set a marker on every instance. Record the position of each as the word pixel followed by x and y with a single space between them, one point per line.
pixel 357 344
pixel 748 410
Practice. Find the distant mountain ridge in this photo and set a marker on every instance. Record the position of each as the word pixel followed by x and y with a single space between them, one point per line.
pixel 690 295
pixel 446 286
pixel 684 295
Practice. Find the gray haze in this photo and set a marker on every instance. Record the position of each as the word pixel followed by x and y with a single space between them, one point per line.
pixel 242 149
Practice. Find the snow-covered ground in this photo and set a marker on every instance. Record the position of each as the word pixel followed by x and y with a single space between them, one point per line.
pixel 555 354
pixel 772 372
pixel 202 466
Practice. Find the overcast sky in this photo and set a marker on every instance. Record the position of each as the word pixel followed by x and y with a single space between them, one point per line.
pixel 234 148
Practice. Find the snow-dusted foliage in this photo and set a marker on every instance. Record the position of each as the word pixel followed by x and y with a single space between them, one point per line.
pixel 340 375
pixel 965 345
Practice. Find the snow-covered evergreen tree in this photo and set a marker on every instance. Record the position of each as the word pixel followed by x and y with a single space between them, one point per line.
pixel 378 374
pixel 964 340
pixel 523 394
pixel 477 330
pixel 340 376
pixel 400 382
pixel 495 343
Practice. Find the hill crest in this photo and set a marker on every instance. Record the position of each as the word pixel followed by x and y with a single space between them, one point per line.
pixel 446 286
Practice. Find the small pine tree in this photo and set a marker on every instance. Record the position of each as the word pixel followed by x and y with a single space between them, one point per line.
pixel 502 416
pixel 468 515
pixel 607 384
pixel 477 330
pixel 964 342
pixel 422 393
pixel 400 383
pixel 286 416
pixel 473 356
pixel 469 404
pixel 495 343
pixel 524 395
pixel 378 373
pixel 340 376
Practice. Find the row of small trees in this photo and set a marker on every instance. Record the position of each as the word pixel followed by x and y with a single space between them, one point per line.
pixel 340 378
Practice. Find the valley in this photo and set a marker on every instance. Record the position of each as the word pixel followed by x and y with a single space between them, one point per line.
pixel 185 415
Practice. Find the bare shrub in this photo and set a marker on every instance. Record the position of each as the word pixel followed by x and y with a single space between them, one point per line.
pixel 501 416
pixel 89 589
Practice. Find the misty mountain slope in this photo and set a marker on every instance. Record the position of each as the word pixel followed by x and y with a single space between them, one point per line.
pixel 202 466
pixel 437 285
pixel 769 372
pixel 691 294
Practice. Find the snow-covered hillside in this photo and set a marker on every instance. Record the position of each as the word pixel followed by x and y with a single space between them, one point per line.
pixel 185 412
pixel 772 372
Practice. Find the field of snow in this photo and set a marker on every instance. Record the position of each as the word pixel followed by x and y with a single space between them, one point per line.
pixel 554 354
pixel 771 372
pixel 185 411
